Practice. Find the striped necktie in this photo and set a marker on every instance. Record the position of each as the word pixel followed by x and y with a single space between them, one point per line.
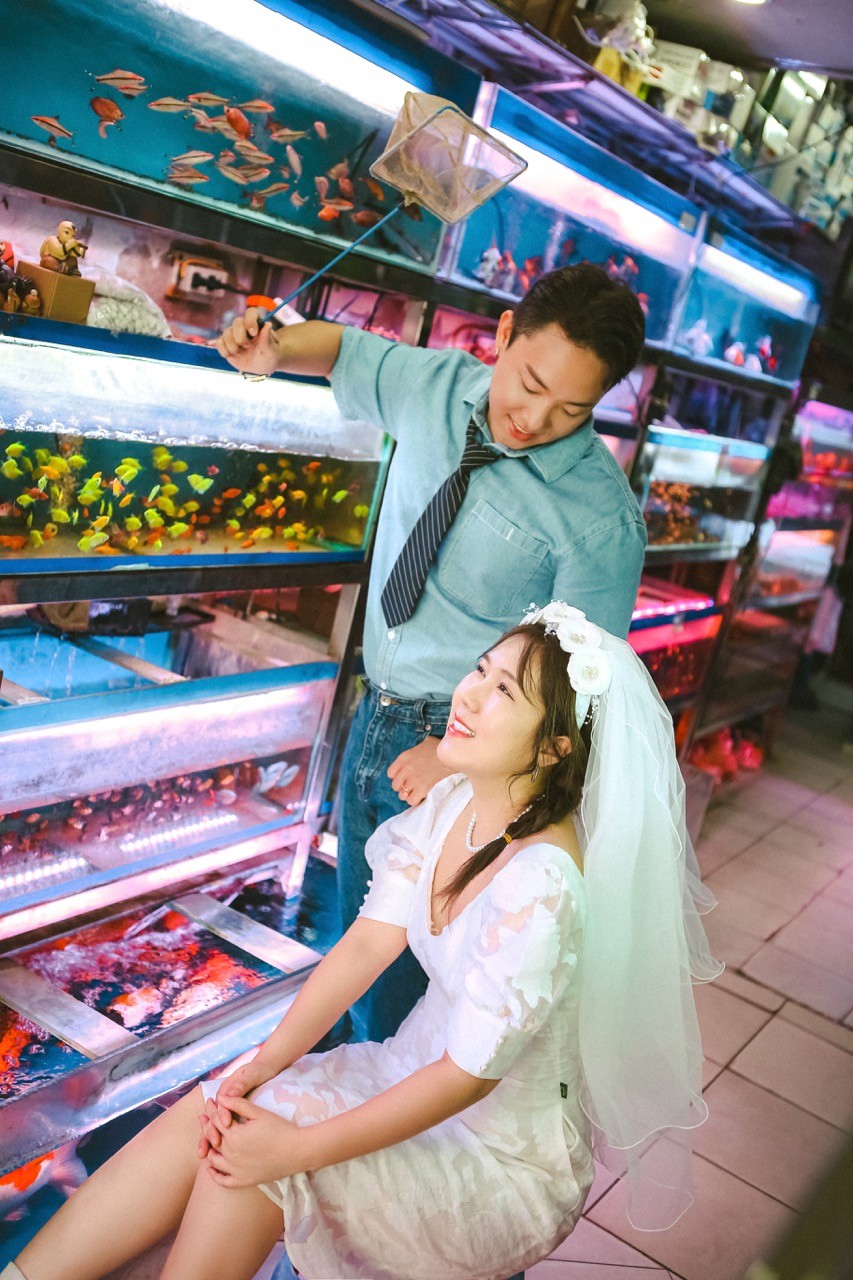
pixel 406 580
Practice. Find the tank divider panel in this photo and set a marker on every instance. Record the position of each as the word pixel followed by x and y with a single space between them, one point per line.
pixel 145 670
pixel 258 939
pixel 86 1030
pixel 17 694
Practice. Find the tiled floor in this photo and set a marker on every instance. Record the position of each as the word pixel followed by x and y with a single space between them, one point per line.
pixel 777 848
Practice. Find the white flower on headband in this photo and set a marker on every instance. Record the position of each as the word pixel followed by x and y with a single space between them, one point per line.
pixel 577 633
pixel 589 671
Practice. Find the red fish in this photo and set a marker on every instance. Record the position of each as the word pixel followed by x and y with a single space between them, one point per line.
pixel 238 122
pixel 52 126
pixel 346 188
pixel 328 215
pixel 322 185
pixel 61 1168
pixel 294 160
pixel 375 189
pixel 127 83
pixel 107 111
pixel 339 170
pixel 213 471
pixel 366 218
pixel 257 105
pixel 321 130
pixel 339 205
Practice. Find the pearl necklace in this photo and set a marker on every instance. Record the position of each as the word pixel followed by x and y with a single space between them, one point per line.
pixel 478 848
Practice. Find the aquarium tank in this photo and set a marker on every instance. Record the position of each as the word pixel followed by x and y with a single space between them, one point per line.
pixel 111 457
pixel 747 308
pixel 575 202
pixel 272 113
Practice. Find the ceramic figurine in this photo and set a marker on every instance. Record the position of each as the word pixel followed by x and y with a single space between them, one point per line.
pixel 698 340
pixel 735 354
pixel 31 304
pixel 13 302
pixel 60 252
pixel 752 364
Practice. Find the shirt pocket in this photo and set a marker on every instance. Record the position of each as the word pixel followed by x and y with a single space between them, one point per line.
pixel 490 566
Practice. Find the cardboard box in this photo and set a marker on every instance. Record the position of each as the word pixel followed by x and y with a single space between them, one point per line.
pixel 62 297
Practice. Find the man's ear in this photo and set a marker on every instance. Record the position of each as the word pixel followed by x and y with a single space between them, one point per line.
pixel 504 330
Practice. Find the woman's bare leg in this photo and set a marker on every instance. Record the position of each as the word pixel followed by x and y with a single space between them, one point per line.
pixel 127 1205
pixel 225 1233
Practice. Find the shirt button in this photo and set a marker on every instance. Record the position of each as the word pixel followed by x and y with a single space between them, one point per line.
pixel 427 728
pixel 383 685
pixel 390 635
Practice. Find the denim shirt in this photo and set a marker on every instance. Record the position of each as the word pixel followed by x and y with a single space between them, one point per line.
pixel 558 521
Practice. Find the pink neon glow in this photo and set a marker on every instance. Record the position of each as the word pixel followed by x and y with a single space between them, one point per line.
pixel 674 634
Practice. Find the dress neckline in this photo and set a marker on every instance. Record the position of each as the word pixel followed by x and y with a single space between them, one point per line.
pixel 467 792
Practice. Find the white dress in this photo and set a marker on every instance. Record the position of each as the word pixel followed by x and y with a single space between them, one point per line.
pixel 497 1187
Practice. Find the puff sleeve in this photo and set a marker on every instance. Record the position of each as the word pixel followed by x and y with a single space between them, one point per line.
pixel 521 963
pixel 395 855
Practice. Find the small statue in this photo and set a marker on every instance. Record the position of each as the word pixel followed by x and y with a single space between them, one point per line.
pixel 13 302
pixel 31 304
pixel 60 252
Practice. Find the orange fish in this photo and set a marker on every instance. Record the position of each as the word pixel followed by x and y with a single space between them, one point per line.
pixel 375 189
pixel 168 104
pixel 52 126
pixel 328 214
pixel 346 188
pixel 366 218
pixel 231 493
pixel 250 152
pixel 339 170
pixel 207 99
pixel 14 541
pixel 322 185
pixel 61 1168
pixel 340 206
pixel 294 160
pixel 238 122
pixel 280 132
pixel 127 83
pixel 107 111
pixel 257 105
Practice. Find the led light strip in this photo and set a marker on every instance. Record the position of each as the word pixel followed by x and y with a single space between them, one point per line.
pixel 54 869
pixel 177 832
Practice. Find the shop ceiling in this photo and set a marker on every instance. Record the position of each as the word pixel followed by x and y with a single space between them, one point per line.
pixel 803 34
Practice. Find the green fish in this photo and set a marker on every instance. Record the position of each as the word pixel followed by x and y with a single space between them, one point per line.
pixel 11 470
pixel 175 530
pixel 200 484
pixel 132 524
pixel 361 512
pixel 14 450
pixel 77 461
pixel 58 516
pixel 340 495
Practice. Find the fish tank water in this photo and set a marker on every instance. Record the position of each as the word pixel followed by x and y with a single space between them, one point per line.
pixel 273 114
pixel 825 432
pixel 106 457
pixel 575 202
pixel 698 491
pixel 747 309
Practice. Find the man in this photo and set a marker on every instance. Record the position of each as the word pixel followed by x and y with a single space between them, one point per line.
pixel 499 494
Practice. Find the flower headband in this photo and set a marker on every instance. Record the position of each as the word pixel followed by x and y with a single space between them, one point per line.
pixel 588 666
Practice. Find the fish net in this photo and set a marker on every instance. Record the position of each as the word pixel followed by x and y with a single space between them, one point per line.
pixel 440 159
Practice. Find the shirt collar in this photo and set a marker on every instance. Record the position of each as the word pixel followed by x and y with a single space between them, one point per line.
pixel 550 460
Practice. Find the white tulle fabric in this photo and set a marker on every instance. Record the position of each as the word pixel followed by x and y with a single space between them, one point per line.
pixel 644 946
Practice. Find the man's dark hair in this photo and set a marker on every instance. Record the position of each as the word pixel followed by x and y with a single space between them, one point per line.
pixel 594 312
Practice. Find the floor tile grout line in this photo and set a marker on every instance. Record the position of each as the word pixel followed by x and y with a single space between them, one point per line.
pixel 762 1190
pixel 782 1097
pixel 830 973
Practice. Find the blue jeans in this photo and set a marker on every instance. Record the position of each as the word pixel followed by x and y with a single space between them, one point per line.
pixel 382 727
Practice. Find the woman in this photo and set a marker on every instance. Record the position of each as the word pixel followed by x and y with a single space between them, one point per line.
pixel 545 890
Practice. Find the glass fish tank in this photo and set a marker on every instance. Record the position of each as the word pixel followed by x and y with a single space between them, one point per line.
pixel 704 404
pixel 825 432
pixel 278 122
pixel 697 491
pixel 748 309
pixel 574 203
pixel 123 755
pixel 108 459
pixel 30 1055
pixel 148 969
pixel 674 630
